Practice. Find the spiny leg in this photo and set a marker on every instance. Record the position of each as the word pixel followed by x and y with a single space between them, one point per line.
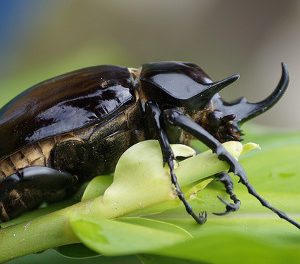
pixel 224 178
pixel 152 110
pixel 177 118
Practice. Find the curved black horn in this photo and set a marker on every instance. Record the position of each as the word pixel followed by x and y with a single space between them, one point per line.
pixel 243 110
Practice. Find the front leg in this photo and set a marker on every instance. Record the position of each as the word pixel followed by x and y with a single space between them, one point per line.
pixel 176 118
pixel 153 112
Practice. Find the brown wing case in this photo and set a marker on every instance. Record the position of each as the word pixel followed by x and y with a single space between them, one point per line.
pixel 63 104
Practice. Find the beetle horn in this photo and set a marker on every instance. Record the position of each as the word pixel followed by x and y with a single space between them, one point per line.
pixel 243 110
pixel 209 91
pixel 215 87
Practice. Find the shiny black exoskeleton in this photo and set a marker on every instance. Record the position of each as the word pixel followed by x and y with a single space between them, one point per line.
pixel 66 130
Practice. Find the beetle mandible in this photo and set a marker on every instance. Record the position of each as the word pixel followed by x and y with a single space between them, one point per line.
pixel 66 130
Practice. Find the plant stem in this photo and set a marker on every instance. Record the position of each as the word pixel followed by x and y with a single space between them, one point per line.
pixel 44 232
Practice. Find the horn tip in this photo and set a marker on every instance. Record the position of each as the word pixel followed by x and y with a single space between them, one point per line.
pixel 284 68
pixel 285 74
pixel 283 65
pixel 235 77
pixel 232 78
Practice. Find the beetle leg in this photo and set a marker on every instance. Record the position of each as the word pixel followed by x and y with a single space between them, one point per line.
pixel 177 118
pixel 224 178
pixel 153 111
pixel 27 188
pixel 37 177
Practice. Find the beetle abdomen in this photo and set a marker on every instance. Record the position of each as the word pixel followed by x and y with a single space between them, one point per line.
pixel 32 155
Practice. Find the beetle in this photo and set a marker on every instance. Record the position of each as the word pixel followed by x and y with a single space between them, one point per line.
pixel 66 130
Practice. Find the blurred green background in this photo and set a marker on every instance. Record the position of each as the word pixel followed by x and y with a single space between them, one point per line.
pixel 41 39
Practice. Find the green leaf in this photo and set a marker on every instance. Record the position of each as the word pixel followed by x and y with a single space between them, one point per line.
pixel 239 240
pixel 112 237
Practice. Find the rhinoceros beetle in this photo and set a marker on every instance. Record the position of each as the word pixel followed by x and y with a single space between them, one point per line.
pixel 66 130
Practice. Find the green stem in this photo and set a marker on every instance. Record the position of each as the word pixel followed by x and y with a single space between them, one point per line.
pixel 44 232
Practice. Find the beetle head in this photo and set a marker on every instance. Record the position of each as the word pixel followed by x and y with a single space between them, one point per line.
pixel 186 85
pixel 179 84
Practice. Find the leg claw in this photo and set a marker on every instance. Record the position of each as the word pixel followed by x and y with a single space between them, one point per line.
pixel 230 207
pixel 202 217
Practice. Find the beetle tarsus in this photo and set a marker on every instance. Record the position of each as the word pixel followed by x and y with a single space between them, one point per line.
pixel 177 118
pixel 237 169
pixel 230 207
pixel 202 217
pixel 224 178
pixel 281 214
